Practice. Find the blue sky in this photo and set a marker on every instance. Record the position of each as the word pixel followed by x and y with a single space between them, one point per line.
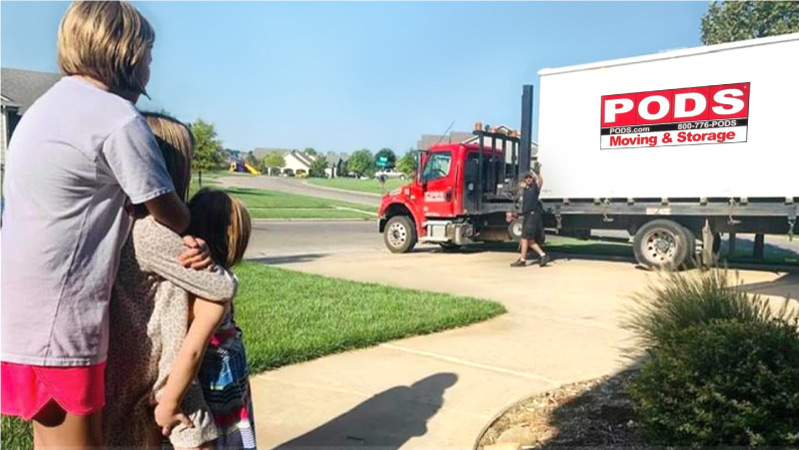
pixel 345 76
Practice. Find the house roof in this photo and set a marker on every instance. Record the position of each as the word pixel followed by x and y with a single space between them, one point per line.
pixel 428 140
pixel 260 152
pixel 303 157
pixel 333 158
pixel 23 87
pixel 5 101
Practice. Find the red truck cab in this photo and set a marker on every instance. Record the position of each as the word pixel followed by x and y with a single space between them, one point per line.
pixel 441 203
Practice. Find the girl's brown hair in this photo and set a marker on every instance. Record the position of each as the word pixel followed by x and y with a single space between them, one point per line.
pixel 107 41
pixel 223 222
pixel 177 145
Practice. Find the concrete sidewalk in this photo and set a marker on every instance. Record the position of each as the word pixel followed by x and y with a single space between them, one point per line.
pixel 438 391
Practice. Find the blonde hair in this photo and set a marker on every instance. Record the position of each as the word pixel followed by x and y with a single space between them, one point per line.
pixel 177 145
pixel 107 41
pixel 223 222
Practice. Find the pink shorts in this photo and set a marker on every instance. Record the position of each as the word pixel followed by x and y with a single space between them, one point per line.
pixel 27 389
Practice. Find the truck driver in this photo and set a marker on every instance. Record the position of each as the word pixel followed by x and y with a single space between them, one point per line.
pixel 533 223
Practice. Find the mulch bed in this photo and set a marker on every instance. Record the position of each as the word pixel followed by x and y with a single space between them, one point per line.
pixel 596 413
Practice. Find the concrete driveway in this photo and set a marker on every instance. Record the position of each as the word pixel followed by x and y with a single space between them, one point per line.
pixel 438 391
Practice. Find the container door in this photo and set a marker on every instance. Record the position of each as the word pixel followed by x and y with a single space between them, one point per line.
pixel 438 185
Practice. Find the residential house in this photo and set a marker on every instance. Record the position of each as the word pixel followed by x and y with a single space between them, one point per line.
pixel 18 90
pixel 336 164
pixel 297 162
pixel 10 117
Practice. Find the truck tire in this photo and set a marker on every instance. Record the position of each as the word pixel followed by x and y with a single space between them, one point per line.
pixel 662 244
pixel 400 234
pixel 693 258
pixel 515 229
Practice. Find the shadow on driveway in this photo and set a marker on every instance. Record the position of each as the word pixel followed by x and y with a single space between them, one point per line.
pixel 786 286
pixel 386 421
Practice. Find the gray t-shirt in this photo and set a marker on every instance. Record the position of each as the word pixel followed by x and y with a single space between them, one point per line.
pixel 75 158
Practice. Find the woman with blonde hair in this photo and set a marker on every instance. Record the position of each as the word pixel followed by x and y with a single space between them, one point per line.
pixel 155 351
pixel 80 153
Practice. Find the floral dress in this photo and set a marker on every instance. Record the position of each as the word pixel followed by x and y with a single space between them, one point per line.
pixel 149 320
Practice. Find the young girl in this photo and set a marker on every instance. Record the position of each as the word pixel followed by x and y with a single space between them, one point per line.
pixel 224 223
pixel 76 157
pixel 154 353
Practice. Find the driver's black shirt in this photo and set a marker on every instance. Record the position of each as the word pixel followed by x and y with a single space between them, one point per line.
pixel 530 203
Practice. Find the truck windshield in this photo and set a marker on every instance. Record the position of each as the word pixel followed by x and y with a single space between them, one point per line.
pixel 437 166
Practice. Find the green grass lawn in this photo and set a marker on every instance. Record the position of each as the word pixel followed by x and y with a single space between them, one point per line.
pixel 263 204
pixel 16 434
pixel 280 205
pixel 353 184
pixel 289 317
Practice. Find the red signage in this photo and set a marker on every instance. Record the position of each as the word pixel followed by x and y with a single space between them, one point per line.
pixel 649 118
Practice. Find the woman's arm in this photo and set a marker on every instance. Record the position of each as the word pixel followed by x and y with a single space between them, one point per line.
pixel 157 249
pixel 207 316
pixel 170 210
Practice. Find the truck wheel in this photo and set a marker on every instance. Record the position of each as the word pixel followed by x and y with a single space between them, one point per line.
pixel 400 234
pixel 515 229
pixel 662 244
pixel 692 257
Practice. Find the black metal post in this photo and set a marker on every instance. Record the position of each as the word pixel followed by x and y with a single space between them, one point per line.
pixel 527 130
pixel 479 187
pixel 514 159
pixel 504 160
pixel 492 182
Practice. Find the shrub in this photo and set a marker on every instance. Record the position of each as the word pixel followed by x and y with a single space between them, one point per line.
pixel 683 300
pixel 728 382
pixel 720 367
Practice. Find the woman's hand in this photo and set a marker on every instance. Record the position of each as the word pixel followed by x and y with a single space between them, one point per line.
pixel 168 415
pixel 197 255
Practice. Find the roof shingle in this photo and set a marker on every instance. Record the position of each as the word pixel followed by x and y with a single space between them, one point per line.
pixel 23 87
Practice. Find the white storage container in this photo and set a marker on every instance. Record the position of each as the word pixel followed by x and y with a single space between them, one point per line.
pixel 715 121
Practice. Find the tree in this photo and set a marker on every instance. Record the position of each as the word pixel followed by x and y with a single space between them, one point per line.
pixel 734 21
pixel 208 153
pixel 361 162
pixel 253 161
pixel 407 164
pixel 318 167
pixel 274 160
pixel 390 157
pixel 310 151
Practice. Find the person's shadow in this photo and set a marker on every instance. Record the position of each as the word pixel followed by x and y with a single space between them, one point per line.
pixel 385 421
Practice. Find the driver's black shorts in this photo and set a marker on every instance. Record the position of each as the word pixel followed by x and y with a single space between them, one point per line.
pixel 533 227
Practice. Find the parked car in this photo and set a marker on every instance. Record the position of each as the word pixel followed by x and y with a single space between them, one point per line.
pixel 390 173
